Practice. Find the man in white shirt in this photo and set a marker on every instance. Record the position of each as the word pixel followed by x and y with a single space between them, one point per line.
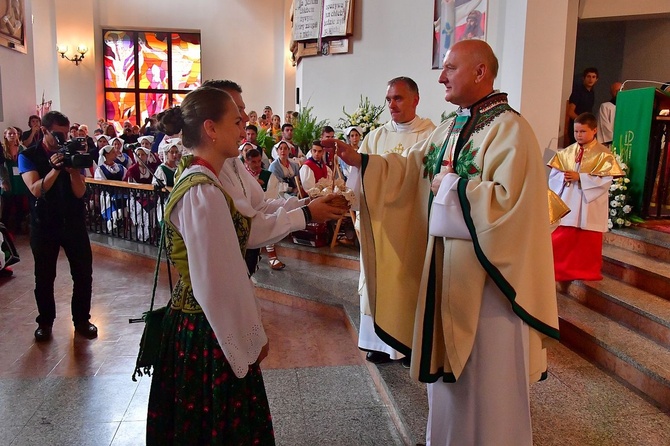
pixel 315 167
pixel 605 133
pixel 272 220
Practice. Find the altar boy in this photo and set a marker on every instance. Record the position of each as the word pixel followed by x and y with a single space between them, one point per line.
pixel 581 174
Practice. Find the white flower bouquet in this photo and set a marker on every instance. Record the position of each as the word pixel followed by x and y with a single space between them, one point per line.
pixel 365 116
pixel 619 198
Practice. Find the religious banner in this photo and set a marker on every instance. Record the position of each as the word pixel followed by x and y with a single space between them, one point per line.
pixel 632 127
pixel 456 20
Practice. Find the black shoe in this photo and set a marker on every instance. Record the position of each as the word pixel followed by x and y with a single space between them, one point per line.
pixel 43 333
pixel 378 357
pixel 406 361
pixel 6 272
pixel 87 330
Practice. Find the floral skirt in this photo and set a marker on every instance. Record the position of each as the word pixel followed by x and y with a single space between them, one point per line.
pixel 195 396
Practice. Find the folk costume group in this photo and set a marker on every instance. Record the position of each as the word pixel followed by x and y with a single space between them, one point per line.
pixel 455 249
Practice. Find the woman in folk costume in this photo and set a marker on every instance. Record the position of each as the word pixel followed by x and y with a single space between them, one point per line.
pixel 153 160
pixel 207 386
pixel 139 172
pixel 285 169
pixel 121 157
pixel 111 205
pixel 171 149
pixel 142 205
pixel 581 175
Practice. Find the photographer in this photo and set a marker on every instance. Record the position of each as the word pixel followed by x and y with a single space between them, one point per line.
pixel 57 219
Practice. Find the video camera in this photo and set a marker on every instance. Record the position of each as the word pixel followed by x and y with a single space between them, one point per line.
pixel 131 146
pixel 72 156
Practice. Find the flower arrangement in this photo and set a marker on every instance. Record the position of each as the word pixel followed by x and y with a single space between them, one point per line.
pixel 365 116
pixel 619 209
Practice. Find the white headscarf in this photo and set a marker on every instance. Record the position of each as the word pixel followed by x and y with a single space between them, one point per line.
pixel 147 138
pixel 348 130
pixel 167 143
pixel 101 156
pixel 99 137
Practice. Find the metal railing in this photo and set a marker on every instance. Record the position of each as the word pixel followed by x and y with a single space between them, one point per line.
pixel 128 211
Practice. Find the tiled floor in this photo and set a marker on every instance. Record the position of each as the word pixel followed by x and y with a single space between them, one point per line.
pixel 72 391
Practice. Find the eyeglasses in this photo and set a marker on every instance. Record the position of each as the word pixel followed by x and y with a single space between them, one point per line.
pixel 58 136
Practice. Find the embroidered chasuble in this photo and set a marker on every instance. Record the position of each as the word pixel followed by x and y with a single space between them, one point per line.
pixel 425 292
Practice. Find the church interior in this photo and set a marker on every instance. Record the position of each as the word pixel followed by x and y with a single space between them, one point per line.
pixel 609 378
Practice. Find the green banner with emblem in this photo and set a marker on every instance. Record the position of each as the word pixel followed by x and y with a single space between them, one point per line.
pixel 632 127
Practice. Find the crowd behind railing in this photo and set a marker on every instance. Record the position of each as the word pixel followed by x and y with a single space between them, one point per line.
pixel 129 211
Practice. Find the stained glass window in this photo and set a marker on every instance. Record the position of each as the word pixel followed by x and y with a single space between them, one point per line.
pixel 147 72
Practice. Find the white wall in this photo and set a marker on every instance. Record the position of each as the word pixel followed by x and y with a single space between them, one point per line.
pixel 394 38
pixel 241 40
pixel 390 39
pixel 18 81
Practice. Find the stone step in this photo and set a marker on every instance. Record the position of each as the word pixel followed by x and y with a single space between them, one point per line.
pixel 340 256
pixel 652 243
pixel 643 312
pixel 634 359
pixel 639 270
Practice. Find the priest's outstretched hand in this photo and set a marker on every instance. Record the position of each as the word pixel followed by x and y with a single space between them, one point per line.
pixel 348 154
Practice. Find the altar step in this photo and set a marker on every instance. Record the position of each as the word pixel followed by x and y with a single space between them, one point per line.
pixel 622 323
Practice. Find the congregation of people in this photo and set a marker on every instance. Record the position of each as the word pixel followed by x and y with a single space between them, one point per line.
pixel 475 265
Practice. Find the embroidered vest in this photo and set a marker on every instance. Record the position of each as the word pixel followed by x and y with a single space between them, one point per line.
pixel 320 171
pixel 182 295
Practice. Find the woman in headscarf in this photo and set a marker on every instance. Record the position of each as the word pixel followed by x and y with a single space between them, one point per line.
pixel 111 204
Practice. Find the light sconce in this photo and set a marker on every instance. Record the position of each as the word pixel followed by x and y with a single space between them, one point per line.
pixel 81 49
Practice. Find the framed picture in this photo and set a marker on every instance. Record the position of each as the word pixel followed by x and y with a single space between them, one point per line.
pixel 456 20
pixel 13 25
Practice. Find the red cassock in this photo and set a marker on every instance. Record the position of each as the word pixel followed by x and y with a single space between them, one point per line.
pixel 577 254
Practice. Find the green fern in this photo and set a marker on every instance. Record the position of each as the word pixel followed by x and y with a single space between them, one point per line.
pixel 307 129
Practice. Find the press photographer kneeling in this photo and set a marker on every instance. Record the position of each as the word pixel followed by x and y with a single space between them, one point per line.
pixel 53 175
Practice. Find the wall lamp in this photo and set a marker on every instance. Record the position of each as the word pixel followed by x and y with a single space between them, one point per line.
pixel 77 58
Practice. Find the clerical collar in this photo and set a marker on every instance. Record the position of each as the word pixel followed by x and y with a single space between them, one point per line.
pixel 405 127
pixel 466 111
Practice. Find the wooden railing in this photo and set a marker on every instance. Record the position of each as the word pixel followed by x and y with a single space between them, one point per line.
pixel 128 211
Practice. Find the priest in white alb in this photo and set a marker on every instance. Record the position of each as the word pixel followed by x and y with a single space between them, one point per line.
pixel 404 130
